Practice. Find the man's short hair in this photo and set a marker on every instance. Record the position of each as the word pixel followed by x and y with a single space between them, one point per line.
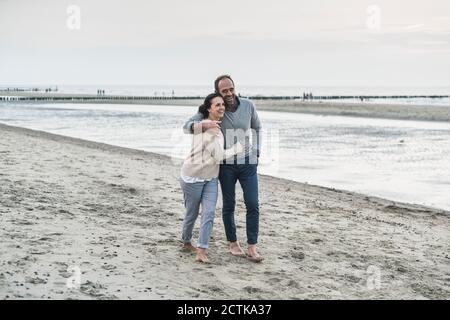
pixel 220 78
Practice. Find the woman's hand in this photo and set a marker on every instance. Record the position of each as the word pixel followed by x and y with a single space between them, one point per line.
pixel 240 147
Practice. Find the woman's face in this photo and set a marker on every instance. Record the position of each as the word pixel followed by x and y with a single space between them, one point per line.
pixel 217 108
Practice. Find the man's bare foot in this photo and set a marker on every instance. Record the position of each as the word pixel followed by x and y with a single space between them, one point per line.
pixel 201 256
pixel 252 254
pixel 236 250
pixel 188 247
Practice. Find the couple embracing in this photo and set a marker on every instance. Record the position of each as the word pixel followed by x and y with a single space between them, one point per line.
pixel 221 151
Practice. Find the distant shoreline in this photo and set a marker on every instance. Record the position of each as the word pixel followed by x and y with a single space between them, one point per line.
pixel 357 109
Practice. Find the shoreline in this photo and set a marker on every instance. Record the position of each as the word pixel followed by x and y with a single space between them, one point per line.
pixel 364 110
pixel 116 213
pixel 114 148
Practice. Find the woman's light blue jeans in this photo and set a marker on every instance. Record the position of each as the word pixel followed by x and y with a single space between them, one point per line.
pixel 204 193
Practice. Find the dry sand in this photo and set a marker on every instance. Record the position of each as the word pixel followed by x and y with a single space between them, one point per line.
pixel 116 214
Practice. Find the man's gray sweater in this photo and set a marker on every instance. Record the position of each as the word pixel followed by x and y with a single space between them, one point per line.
pixel 241 125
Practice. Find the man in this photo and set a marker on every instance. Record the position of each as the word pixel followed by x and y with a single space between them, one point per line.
pixel 239 121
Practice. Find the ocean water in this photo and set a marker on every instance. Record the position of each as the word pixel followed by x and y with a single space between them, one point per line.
pixel 400 160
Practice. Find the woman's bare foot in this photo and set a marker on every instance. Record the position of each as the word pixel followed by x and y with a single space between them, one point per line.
pixel 201 256
pixel 236 250
pixel 252 254
pixel 188 247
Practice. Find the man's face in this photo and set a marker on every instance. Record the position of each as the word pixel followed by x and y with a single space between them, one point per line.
pixel 226 90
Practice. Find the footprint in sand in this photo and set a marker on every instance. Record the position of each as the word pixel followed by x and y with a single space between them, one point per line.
pixel 298 255
pixel 36 280
pixel 252 290
pixel 215 289
pixel 95 290
pixel 109 267
pixel 293 284
pixel 274 281
pixel 21 222
pixel 38 251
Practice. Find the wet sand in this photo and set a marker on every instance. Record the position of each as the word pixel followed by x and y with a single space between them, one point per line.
pixel 115 215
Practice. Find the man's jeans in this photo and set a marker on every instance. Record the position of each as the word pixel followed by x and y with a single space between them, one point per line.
pixel 248 178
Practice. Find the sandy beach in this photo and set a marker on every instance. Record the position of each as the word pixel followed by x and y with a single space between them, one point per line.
pixel 114 214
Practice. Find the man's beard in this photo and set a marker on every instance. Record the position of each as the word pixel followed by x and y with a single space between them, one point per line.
pixel 229 101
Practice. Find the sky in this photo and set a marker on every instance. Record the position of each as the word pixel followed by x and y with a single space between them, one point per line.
pixel 258 42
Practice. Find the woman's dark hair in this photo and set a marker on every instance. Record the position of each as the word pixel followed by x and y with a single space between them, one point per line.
pixel 203 109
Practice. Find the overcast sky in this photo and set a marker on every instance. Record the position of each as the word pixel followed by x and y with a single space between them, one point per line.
pixel 260 42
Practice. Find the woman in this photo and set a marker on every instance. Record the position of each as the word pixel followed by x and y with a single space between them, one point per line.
pixel 199 175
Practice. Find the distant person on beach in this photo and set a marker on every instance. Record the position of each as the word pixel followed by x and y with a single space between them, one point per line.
pixel 199 174
pixel 240 119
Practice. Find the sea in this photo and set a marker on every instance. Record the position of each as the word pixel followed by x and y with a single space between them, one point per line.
pixel 399 160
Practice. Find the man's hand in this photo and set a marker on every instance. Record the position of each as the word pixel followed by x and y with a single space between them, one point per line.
pixel 205 125
pixel 210 125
